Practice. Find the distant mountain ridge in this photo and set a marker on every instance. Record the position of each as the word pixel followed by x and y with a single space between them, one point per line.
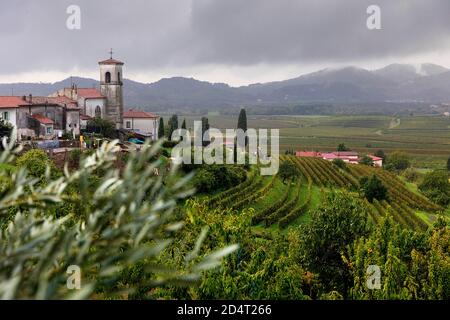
pixel 393 83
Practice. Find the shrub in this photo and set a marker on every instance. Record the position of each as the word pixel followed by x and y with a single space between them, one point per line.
pixel 288 170
pixel 337 223
pixel 411 175
pixel 216 177
pixel 204 181
pixel 436 187
pixel 101 126
pixel 75 157
pixel 340 164
pixel 130 226
pixel 398 161
pixel 373 188
pixel 36 162
pixel 366 160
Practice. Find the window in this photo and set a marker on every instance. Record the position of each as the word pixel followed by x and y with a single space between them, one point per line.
pixel 118 76
pixel 108 77
pixel 128 124
pixel 98 112
pixel 5 115
pixel 49 130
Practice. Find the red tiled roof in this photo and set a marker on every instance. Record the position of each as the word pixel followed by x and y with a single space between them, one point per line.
pixel 139 114
pixel 374 158
pixel 12 102
pixel 327 156
pixel 61 101
pixel 307 154
pixel 90 93
pixel 111 61
pixel 346 153
pixel 85 117
pixel 42 119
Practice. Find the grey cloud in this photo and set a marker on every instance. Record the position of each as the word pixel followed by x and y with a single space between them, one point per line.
pixel 180 33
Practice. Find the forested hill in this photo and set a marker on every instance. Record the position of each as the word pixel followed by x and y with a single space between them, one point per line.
pixel 392 84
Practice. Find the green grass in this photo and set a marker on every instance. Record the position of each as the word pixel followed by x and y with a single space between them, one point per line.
pixel 275 193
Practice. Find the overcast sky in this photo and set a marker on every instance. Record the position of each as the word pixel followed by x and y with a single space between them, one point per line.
pixel 232 41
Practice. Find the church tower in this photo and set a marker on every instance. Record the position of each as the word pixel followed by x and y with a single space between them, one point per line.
pixel 111 87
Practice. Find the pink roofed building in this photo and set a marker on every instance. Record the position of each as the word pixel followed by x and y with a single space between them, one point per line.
pixel 377 161
pixel 308 154
pixel 346 156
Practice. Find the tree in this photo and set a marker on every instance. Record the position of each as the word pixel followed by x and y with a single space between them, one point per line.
pixel 102 126
pixel 436 187
pixel 373 188
pixel 366 160
pixel 205 127
pixel 448 164
pixel 287 171
pixel 173 125
pixel 161 131
pixel 337 223
pixel 183 125
pixel 36 162
pixel 413 265
pixel 342 147
pixel 380 154
pixel 5 129
pixel 126 225
pixel 242 123
pixel 411 175
pixel 340 163
pixel 398 161
pixel 242 120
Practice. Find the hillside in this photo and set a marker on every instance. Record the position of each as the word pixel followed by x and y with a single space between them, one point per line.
pixel 394 83
pixel 279 205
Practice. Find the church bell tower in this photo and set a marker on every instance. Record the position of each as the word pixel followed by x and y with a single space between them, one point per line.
pixel 111 87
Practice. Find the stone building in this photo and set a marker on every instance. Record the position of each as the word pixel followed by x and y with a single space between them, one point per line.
pixel 111 88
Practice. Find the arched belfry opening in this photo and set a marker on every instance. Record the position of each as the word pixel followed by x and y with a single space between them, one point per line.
pixel 108 77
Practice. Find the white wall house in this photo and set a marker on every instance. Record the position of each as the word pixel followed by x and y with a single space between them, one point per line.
pixel 141 122
pixel 9 109
pixel 91 102
pixel 9 115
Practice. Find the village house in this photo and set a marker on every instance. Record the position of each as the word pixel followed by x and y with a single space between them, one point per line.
pixel 69 109
pixel 142 123
pixel 346 156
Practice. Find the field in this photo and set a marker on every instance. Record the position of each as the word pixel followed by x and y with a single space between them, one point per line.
pixel 425 138
pixel 278 205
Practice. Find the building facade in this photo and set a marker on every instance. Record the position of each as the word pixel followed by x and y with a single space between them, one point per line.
pixel 143 123
pixel 111 87
pixel 69 109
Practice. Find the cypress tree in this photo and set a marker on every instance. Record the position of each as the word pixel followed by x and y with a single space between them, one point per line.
pixel 173 125
pixel 205 127
pixel 242 123
pixel 242 120
pixel 161 128
pixel 183 125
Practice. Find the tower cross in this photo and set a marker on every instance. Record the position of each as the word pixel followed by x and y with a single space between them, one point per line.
pixel 111 53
